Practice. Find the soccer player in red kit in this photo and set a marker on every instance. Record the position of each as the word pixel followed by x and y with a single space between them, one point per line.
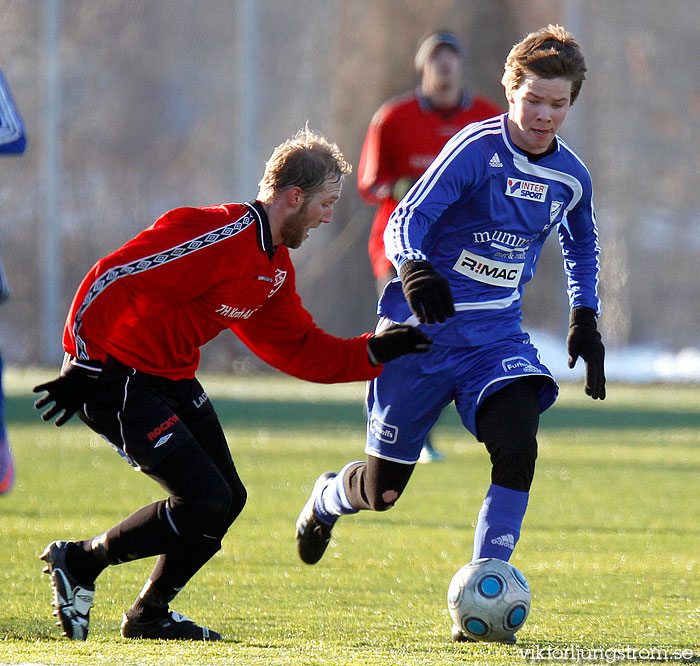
pixel 132 340
pixel 407 133
pixel 405 136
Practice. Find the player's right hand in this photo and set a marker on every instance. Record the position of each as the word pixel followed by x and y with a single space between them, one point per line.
pixel 69 391
pixel 427 292
pixel 397 340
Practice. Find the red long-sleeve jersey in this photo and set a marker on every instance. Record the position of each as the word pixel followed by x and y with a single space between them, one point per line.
pixel 195 272
pixel 404 137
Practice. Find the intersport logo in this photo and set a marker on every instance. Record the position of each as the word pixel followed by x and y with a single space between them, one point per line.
pixel 525 189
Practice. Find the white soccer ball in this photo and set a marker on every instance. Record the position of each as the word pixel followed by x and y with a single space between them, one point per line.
pixel 489 599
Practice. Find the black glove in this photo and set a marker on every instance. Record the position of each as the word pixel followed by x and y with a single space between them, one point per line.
pixel 76 383
pixel 395 341
pixel 427 292
pixel 584 340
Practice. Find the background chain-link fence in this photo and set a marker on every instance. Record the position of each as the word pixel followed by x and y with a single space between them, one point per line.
pixel 173 102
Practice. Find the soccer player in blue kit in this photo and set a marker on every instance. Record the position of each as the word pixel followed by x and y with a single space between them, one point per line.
pixel 465 241
pixel 12 142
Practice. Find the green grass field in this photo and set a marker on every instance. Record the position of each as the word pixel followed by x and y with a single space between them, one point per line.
pixel 610 544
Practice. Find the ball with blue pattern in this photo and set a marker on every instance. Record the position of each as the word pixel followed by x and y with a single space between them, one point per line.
pixel 489 599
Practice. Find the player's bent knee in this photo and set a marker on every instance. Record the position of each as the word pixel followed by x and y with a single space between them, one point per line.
pixel 376 484
pixel 231 502
pixel 207 514
pixel 238 502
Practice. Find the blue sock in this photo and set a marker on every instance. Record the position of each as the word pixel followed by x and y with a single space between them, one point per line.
pixel 498 526
pixel 332 502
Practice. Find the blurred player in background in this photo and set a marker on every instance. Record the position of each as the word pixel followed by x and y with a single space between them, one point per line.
pixel 465 241
pixel 405 136
pixel 12 141
pixel 132 342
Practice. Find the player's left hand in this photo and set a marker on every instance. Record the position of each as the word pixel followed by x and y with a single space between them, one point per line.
pixel 584 340
pixel 69 391
pixel 395 341
pixel 427 292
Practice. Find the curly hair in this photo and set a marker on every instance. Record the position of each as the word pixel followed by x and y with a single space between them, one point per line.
pixel 307 160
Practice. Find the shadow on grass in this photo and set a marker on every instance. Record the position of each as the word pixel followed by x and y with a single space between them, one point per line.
pixel 280 414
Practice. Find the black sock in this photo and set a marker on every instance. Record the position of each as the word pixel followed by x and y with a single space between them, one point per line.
pixel 141 611
pixel 151 604
pixel 82 563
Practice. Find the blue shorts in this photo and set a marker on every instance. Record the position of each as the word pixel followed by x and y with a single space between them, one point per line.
pixel 406 400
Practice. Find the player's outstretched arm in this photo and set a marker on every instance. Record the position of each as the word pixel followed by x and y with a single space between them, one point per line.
pixel 584 340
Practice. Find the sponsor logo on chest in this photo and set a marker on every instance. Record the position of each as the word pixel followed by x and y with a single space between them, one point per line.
pixel 525 189
pixel 489 271
pixel 235 313
pixel 232 312
pixel 502 240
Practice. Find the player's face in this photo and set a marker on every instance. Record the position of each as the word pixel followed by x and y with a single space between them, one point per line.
pixel 443 69
pixel 317 209
pixel 536 111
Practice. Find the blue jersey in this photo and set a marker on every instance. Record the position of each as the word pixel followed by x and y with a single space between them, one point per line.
pixel 480 214
pixel 12 139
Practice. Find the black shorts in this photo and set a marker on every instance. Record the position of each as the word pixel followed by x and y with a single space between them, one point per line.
pixel 145 418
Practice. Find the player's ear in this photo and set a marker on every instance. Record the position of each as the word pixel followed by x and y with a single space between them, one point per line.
pixel 509 94
pixel 295 197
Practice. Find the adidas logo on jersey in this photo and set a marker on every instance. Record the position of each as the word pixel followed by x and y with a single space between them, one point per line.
pixel 507 541
pixel 495 161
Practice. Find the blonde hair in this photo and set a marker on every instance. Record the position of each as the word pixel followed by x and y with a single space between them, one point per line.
pixel 548 53
pixel 307 160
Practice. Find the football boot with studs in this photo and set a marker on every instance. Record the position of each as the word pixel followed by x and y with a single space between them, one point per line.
pixel 173 626
pixel 72 602
pixel 313 535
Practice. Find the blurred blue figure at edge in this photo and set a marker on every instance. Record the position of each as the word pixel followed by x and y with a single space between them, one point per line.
pixel 12 141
